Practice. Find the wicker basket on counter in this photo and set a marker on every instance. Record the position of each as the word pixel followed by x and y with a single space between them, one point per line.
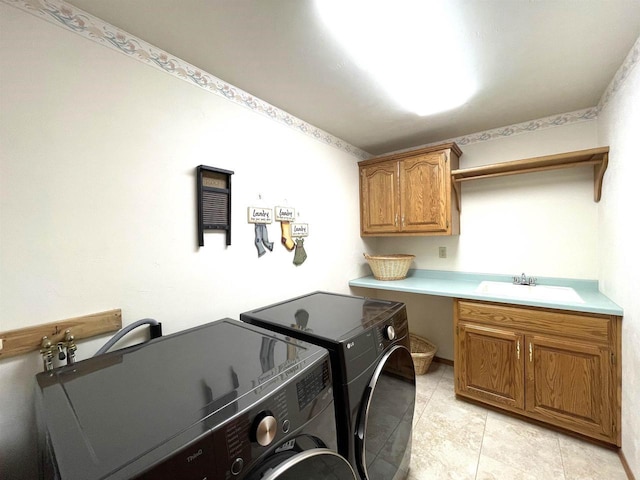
pixel 390 267
pixel 422 352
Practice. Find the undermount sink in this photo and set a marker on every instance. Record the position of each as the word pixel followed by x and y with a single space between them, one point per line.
pixel 529 292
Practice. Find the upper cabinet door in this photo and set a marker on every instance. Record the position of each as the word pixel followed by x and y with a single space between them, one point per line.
pixel 410 193
pixel 424 196
pixel 379 199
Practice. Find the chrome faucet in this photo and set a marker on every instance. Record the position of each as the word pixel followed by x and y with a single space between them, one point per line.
pixel 524 280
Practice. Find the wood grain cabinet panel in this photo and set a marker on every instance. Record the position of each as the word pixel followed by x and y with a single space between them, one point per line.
pixel 423 193
pixel 379 185
pixel 521 360
pixel 568 384
pixel 491 365
pixel 410 193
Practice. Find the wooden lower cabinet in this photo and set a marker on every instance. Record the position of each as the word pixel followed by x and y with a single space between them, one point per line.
pixel 490 366
pixel 557 367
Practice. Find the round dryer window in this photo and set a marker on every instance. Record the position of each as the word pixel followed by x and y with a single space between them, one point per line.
pixel 315 464
pixel 383 440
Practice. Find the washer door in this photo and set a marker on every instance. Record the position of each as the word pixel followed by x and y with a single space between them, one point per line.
pixel 314 464
pixel 385 421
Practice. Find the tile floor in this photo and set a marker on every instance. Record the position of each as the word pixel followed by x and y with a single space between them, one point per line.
pixel 453 439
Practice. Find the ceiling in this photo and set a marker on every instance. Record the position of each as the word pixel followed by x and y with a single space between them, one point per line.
pixel 531 59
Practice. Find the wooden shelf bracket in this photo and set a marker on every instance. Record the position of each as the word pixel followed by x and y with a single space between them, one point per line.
pixel 598 157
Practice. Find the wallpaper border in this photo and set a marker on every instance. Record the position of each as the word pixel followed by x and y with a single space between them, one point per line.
pixel 631 60
pixel 88 26
pixel 97 30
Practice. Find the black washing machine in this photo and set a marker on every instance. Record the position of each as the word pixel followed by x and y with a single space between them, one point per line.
pixel 221 401
pixel 373 372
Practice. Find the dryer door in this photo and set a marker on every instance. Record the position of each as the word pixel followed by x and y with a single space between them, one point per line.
pixel 385 421
pixel 314 464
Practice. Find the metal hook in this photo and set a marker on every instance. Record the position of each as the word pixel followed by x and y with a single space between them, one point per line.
pixel 46 351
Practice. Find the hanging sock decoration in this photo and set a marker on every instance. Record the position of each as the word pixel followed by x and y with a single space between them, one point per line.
pixel 299 230
pixel 300 254
pixel 261 217
pixel 285 216
pixel 262 238
pixel 286 239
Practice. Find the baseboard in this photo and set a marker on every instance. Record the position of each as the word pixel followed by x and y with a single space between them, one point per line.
pixel 443 360
pixel 625 465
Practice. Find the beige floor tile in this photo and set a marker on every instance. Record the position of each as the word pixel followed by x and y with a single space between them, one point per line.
pixel 448 424
pixel 425 386
pixel 524 447
pixel 430 379
pixel 447 371
pixel 443 462
pixel 445 392
pixel 490 469
pixel 421 403
pixel 585 461
pixel 455 439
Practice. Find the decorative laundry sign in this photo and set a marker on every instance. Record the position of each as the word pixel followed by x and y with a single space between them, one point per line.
pixel 285 214
pixel 259 215
pixel 299 229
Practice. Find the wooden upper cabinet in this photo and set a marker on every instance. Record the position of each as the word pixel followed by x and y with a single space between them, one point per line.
pixel 379 184
pixel 410 193
pixel 423 193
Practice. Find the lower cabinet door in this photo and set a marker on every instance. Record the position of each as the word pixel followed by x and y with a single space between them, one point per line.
pixel 568 383
pixel 490 365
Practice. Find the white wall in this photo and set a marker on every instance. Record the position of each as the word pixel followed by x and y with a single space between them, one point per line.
pixel 618 126
pixel 98 202
pixel 519 223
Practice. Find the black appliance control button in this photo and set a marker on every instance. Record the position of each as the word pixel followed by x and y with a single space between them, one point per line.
pixel 236 466
pixel 286 425
pixel 265 427
pixel 390 332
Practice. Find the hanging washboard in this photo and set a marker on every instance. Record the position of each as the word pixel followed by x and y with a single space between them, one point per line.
pixel 214 201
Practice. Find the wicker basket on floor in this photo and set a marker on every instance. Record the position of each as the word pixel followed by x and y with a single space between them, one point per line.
pixel 422 352
pixel 390 267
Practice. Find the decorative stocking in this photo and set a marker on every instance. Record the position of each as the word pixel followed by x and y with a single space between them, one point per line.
pixel 300 255
pixel 286 239
pixel 262 238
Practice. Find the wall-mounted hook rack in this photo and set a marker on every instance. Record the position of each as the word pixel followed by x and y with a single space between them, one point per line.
pixel 30 339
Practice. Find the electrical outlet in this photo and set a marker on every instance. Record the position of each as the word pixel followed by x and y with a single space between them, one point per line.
pixel 442 252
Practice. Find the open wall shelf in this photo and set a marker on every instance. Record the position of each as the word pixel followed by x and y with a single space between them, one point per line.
pixel 598 157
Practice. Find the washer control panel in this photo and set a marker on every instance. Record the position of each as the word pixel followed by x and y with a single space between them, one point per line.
pixel 392 330
pixel 268 424
pixel 232 450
